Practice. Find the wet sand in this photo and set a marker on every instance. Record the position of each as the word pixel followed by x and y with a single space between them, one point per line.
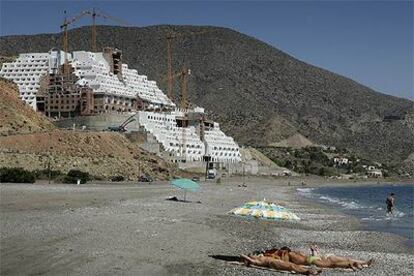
pixel 132 230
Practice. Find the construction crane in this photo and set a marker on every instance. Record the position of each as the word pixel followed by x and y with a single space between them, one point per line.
pixel 65 43
pixel 184 85
pixel 184 105
pixel 64 30
pixel 101 14
pixel 122 128
pixel 93 14
pixel 169 39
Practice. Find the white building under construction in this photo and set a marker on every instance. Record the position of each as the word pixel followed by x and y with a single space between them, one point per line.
pixel 95 83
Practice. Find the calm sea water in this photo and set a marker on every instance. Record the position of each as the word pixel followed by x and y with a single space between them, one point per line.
pixel 368 204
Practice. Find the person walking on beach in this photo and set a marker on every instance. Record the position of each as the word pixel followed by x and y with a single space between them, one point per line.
pixel 390 201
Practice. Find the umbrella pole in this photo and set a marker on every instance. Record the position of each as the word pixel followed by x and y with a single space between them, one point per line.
pixel 185 194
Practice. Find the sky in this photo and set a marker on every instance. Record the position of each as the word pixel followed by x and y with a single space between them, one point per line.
pixel 368 41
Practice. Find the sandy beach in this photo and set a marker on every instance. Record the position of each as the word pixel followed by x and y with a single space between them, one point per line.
pixel 107 229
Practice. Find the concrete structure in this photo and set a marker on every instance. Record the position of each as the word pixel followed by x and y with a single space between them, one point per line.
pixel 184 144
pixel 113 86
pixel 99 83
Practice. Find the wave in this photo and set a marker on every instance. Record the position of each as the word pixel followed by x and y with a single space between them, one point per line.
pixel 398 214
pixel 305 190
pixel 348 204
pixel 308 192
pixel 345 204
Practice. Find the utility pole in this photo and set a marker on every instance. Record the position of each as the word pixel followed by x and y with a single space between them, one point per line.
pixel 49 172
pixel 169 38
pixel 244 182
pixel 139 170
pixel 93 40
pixel 64 29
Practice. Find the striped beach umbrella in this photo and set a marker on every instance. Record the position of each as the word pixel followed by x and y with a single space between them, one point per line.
pixel 264 210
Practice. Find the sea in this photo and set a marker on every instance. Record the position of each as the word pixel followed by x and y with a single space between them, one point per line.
pixel 367 203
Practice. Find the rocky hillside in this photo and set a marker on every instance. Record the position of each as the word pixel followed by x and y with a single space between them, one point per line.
pixel 30 141
pixel 259 94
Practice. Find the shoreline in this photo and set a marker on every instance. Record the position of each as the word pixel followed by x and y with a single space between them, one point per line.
pixel 102 229
pixel 356 208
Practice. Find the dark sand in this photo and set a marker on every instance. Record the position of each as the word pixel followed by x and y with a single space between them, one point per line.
pixel 132 230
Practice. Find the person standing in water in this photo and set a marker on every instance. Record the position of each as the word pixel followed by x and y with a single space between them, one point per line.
pixel 390 201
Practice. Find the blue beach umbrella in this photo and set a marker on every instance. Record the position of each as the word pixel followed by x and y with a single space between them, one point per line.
pixel 186 185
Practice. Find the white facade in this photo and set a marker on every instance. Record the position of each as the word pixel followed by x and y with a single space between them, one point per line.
pixel 26 72
pixel 94 71
pixel 221 147
pixel 185 142
pixel 177 141
pixel 91 68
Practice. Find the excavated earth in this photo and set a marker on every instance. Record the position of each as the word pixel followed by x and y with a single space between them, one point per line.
pixel 29 140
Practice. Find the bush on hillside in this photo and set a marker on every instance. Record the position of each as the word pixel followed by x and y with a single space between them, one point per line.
pixel 16 175
pixel 326 171
pixel 117 178
pixel 73 176
pixel 320 157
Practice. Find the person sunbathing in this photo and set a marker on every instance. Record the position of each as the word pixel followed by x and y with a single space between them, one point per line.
pixel 328 261
pixel 274 263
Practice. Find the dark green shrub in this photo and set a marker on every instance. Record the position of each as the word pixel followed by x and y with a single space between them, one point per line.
pixel 300 169
pixel 16 175
pixel 320 157
pixel 288 164
pixel 325 171
pixel 279 162
pixel 73 176
pixel 117 178
pixel 359 169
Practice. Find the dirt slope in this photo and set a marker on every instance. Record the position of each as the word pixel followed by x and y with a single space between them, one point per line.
pixel 100 154
pixel 15 116
pixel 294 141
pixel 29 140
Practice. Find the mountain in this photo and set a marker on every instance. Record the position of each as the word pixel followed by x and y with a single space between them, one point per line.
pixel 259 94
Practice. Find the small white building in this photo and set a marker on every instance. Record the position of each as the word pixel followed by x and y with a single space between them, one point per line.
pixel 339 161
pixel 375 173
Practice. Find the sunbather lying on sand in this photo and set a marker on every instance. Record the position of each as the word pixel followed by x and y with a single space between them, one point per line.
pixel 328 261
pixel 270 262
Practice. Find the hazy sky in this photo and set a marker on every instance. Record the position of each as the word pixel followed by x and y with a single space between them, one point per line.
pixel 368 41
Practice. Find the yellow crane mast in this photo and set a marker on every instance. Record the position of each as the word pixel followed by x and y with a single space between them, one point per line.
pixel 184 105
pixel 93 14
pixel 170 36
pixel 103 15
